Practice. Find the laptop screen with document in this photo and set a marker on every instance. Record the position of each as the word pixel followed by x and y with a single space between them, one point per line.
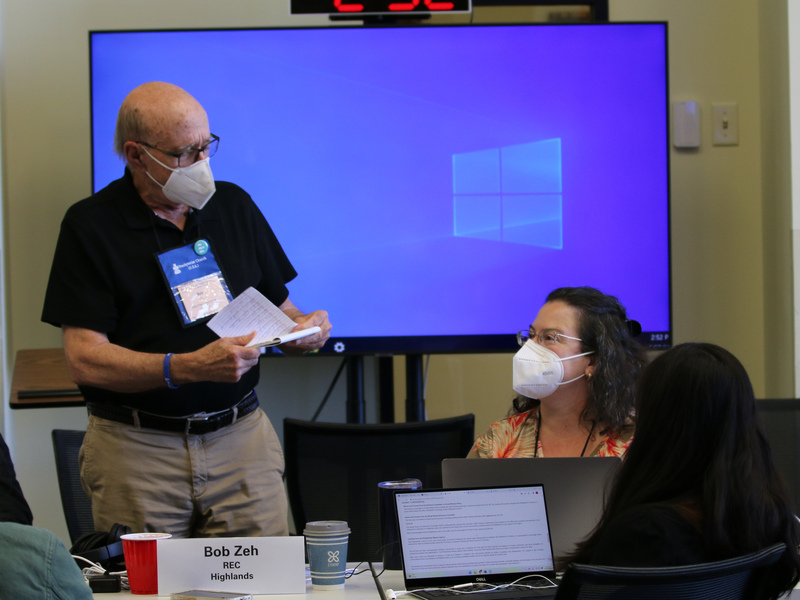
pixel 575 488
pixel 457 536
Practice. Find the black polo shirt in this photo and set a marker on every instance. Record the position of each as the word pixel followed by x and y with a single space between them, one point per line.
pixel 105 277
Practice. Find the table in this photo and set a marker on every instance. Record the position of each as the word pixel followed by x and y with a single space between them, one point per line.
pixel 358 587
pixel 41 380
pixel 362 587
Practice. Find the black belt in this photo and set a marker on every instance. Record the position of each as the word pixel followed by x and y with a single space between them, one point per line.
pixel 196 424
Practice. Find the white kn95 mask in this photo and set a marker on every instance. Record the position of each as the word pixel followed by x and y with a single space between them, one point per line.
pixel 192 185
pixel 538 371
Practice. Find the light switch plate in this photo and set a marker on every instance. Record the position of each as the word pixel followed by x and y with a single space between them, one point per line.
pixel 725 120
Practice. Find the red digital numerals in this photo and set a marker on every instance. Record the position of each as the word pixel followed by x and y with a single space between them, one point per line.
pixel 347 6
pixel 394 6
pixel 400 6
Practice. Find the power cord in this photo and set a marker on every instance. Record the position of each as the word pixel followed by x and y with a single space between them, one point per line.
pixel 482 587
pixel 100 579
pixel 354 571
pixel 330 389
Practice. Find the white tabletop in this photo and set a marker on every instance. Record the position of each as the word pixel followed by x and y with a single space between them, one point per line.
pixel 360 586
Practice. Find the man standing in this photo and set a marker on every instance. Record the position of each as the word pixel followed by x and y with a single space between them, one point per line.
pixel 176 441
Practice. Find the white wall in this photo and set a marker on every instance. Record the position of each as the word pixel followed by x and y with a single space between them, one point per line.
pixel 719 221
pixel 777 198
pixel 794 91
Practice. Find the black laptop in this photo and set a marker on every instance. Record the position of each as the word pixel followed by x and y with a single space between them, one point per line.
pixel 475 542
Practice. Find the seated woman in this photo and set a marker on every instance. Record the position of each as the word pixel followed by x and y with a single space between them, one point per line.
pixel 698 483
pixel 576 374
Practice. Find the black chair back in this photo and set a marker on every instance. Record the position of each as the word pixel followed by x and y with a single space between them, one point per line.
pixel 333 469
pixel 733 579
pixel 781 422
pixel 76 504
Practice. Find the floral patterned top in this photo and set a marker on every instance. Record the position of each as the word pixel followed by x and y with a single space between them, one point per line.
pixel 515 437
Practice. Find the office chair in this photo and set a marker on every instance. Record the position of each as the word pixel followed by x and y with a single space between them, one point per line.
pixel 732 579
pixel 333 469
pixel 76 504
pixel 781 422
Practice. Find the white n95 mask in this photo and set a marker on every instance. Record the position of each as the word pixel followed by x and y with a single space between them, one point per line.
pixel 538 371
pixel 192 185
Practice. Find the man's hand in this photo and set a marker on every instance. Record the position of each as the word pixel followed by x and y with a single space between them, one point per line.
pixel 224 361
pixel 318 318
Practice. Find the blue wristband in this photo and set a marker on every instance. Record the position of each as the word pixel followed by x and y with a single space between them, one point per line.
pixel 167 378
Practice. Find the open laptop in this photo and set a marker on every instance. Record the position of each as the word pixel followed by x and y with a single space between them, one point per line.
pixel 494 536
pixel 575 488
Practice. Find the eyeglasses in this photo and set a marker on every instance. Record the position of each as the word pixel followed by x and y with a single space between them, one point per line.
pixel 190 155
pixel 546 337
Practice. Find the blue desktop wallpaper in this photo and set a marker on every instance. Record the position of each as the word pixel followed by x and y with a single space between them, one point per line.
pixel 431 181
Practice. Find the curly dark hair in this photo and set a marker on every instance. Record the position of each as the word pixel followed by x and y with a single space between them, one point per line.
pixel 604 329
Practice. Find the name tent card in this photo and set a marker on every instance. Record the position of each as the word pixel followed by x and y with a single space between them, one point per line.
pixel 252 565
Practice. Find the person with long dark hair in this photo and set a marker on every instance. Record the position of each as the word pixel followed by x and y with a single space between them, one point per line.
pixel 575 375
pixel 698 483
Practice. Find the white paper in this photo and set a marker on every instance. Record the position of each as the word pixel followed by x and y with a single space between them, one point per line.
pixel 251 311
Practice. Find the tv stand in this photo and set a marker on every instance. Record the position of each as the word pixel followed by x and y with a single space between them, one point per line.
pixel 415 389
pixel 355 389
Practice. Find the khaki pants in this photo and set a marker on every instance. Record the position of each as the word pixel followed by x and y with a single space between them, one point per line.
pixel 222 484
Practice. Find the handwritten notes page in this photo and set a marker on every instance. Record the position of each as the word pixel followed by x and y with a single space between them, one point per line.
pixel 251 311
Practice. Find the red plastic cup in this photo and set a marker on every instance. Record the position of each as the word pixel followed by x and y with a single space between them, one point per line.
pixel 141 560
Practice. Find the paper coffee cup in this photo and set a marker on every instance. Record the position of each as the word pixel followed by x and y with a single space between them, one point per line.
pixel 141 560
pixel 326 544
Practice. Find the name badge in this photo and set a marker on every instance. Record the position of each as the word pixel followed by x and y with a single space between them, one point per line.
pixel 251 565
pixel 195 281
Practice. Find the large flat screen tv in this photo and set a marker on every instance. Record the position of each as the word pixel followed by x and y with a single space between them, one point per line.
pixel 431 184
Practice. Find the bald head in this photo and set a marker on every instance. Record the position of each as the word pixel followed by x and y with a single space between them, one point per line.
pixel 158 113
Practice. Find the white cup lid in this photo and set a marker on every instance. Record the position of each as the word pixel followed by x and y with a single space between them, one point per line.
pixel 322 527
pixel 146 536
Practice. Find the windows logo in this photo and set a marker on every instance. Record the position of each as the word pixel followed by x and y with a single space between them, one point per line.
pixel 510 194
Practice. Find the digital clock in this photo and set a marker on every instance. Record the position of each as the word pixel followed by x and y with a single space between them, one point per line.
pixel 378 7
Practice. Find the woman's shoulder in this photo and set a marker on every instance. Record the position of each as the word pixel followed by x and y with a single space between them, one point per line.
pixel 649 535
pixel 511 437
pixel 653 515
pixel 617 442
